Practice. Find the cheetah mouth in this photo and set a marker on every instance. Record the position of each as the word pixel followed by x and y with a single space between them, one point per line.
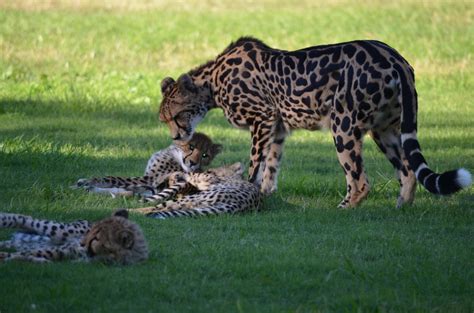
pixel 193 168
pixel 189 168
pixel 90 252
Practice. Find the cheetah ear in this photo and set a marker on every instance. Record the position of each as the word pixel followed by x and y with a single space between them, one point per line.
pixel 126 239
pixel 238 168
pixel 122 213
pixel 216 149
pixel 186 84
pixel 166 84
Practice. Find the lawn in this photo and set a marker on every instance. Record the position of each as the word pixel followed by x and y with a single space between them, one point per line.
pixel 79 94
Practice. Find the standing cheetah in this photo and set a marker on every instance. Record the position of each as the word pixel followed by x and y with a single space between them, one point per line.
pixel 351 88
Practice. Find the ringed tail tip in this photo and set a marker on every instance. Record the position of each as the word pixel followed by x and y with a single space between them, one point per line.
pixel 463 178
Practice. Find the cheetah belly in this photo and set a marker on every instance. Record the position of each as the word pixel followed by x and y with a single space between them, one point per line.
pixel 298 116
pixel 306 121
pixel 236 120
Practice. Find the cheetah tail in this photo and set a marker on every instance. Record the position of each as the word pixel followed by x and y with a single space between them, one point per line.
pixel 445 183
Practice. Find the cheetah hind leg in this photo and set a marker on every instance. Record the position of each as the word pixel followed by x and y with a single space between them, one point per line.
pixel 193 212
pixel 95 186
pixel 273 158
pixel 167 205
pixel 19 256
pixel 145 210
pixel 117 186
pixel 389 143
pixel 113 192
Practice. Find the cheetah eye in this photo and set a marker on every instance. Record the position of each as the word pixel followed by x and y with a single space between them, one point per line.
pixel 191 147
pixel 183 115
pixel 204 155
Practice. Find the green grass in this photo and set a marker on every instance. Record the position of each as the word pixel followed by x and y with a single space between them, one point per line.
pixel 79 90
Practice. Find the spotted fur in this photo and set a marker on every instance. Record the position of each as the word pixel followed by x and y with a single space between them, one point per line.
pixel 219 190
pixel 185 156
pixel 176 185
pixel 352 88
pixel 111 240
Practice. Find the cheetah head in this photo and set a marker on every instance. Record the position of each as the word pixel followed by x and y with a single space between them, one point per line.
pixel 198 152
pixel 116 240
pixel 183 106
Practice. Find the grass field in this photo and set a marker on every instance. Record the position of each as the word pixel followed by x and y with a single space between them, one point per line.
pixel 79 93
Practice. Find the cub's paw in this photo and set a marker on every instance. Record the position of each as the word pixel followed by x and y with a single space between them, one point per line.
pixel 82 183
pixel 268 188
pixel 4 256
pixel 156 215
pixel 176 177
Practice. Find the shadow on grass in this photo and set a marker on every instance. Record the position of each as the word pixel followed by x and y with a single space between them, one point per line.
pixel 275 203
pixel 309 168
pixel 82 108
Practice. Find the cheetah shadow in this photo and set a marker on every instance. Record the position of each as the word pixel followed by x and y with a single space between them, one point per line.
pixel 275 203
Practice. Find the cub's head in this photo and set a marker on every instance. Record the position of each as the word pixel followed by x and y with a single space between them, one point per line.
pixel 233 171
pixel 183 106
pixel 116 240
pixel 197 152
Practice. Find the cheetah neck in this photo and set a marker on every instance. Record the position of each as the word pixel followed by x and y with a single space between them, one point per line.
pixel 203 76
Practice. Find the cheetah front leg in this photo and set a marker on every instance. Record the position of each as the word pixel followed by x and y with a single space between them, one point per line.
pixel 58 232
pixel 273 158
pixel 21 256
pixel 262 139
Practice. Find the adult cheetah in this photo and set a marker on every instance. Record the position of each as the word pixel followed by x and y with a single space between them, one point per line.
pixel 352 88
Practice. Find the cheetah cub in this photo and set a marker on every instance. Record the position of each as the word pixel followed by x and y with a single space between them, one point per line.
pixel 111 240
pixel 219 190
pixel 180 156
